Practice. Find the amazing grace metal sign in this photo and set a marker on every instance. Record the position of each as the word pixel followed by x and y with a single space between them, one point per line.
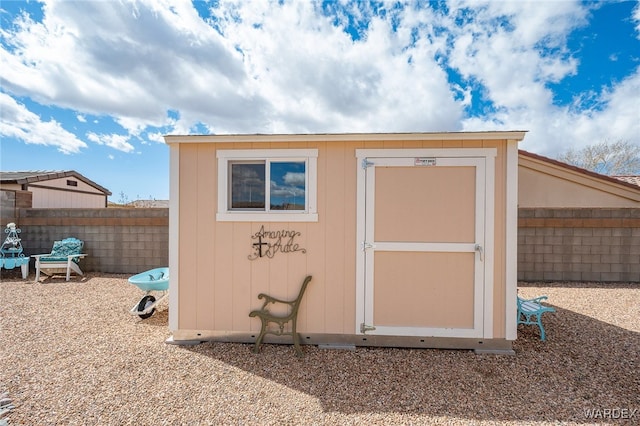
pixel 270 243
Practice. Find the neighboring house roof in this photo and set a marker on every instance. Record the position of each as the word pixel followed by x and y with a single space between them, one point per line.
pixel 618 180
pixel 33 176
pixel 634 180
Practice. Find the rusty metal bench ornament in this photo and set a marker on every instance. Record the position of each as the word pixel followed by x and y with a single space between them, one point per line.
pixel 292 316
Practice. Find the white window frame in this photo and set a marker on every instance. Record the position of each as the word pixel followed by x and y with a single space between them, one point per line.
pixel 308 156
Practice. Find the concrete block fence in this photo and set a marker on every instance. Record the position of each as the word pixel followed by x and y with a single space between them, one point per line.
pixel 116 240
pixel 579 245
pixel 553 244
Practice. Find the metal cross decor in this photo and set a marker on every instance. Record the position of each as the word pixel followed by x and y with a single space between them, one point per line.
pixel 258 246
pixel 269 243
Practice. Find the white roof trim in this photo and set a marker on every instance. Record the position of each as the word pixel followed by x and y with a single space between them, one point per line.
pixel 516 135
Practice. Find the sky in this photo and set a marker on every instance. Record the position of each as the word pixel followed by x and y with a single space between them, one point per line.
pixel 93 86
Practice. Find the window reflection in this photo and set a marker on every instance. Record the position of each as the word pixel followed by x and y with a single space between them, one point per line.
pixel 288 182
pixel 248 186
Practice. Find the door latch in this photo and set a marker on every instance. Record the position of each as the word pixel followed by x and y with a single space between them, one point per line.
pixel 364 328
pixel 480 251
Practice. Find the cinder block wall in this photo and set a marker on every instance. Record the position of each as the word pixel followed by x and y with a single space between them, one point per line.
pixel 553 244
pixel 579 245
pixel 116 240
pixel 11 201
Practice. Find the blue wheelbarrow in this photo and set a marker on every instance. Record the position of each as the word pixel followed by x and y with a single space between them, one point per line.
pixel 153 280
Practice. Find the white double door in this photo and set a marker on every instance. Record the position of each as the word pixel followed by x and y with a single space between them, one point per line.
pixel 426 256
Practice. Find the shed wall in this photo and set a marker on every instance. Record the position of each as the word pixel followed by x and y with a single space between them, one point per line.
pixel 543 186
pixel 46 198
pixel 56 193
pixel 63 183
pixel 219 284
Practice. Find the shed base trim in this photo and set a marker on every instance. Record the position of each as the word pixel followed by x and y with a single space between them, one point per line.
pixel 480 346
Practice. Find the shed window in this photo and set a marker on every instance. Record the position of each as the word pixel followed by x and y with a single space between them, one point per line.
pixel 267 185
pixel 72 183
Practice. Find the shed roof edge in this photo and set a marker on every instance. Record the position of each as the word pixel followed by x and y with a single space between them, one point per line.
pixel 516 135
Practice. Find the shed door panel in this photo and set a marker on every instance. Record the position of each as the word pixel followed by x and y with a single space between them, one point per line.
pixel 403 295
pixel 424 231
pixel 409 204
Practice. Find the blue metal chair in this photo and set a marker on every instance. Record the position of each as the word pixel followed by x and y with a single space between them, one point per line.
pixel 530 312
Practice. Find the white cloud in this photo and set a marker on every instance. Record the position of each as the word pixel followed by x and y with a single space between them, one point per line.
pixel 515 62
pixel 128 60
pixel 119 142
pixel 636 18
pixel 156 137
pixel 279 67
pixel 285 191
pixel 617 119
pixel 554 129
pixel 16 121
pixel 294 179
pixel 506 49
pixel 318 79
pixel 81 118
pixel 268 66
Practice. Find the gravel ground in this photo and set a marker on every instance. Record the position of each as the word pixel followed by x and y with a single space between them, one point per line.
pixel 71 354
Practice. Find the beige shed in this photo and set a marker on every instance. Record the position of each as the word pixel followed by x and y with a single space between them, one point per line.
pixel 54 189
pixel 411 238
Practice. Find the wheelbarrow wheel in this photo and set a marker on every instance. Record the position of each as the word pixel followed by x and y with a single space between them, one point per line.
pixel 143 304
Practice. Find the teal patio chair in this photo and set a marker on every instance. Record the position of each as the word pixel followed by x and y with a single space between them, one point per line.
pixel 65 254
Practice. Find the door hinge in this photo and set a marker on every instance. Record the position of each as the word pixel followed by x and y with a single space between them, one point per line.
pixel 366 163
pixel 365 245
pixel 364 328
